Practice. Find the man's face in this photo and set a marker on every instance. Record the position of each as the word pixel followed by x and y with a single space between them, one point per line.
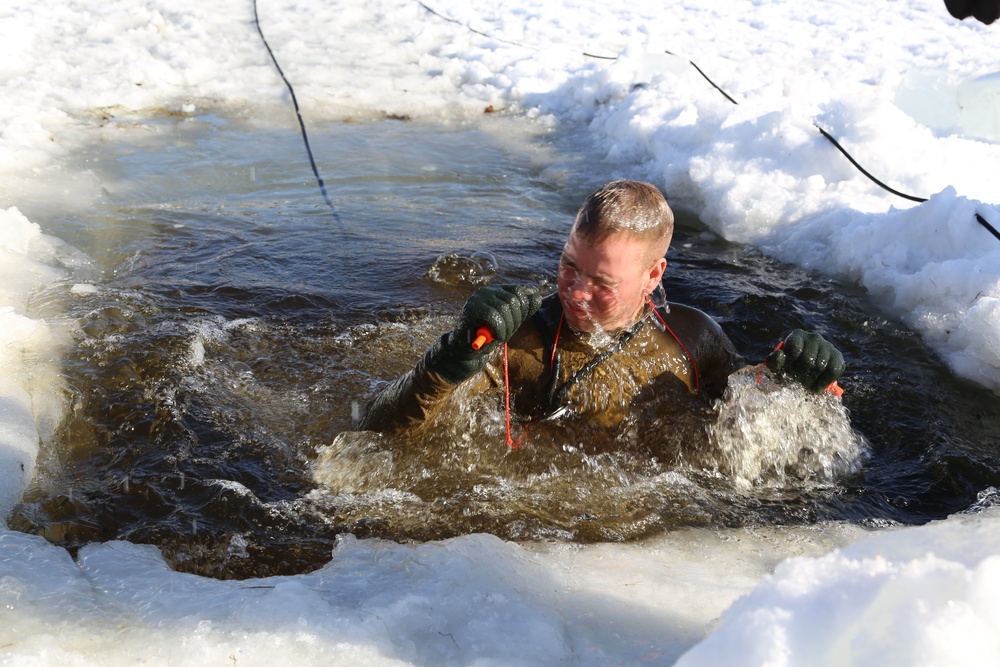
pixel 604 285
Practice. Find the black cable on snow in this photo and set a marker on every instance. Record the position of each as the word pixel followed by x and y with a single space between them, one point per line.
pixel 298 113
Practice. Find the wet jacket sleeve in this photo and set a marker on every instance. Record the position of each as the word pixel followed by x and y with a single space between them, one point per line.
pixel 411 399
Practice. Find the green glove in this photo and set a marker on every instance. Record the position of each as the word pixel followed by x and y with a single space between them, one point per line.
pixel 501 308
pixel 807 358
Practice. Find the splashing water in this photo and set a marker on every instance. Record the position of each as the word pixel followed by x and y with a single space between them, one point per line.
pixel 773 434
pixel 600 338
pixel 453 268
pixel 658 298
pixel 597 337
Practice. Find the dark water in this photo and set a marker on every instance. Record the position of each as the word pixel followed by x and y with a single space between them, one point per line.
pixel 237 321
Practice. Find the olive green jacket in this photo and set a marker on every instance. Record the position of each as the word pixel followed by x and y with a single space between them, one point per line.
pixel 676 351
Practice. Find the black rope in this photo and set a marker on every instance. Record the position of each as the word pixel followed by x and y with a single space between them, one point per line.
pixel 980 219
pixel 863 170
pixel 298 113
pixel 557 397
pixel 468 27
pixel 494 37
pixel 990 228
pixel 691 62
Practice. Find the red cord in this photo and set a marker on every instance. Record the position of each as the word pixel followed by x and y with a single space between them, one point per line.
pixel 555 343
pixel 666 327
pixel 511 442
pixel 506 397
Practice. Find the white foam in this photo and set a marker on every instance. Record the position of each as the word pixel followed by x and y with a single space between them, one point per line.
pixel 773 435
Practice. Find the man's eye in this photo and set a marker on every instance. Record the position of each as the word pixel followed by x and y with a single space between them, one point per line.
pixel 568 268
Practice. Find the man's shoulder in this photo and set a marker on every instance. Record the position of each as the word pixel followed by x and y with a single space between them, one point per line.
pixel 709 346
pixel 690 322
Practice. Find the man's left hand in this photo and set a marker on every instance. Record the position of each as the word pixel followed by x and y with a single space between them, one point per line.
pixel 807 358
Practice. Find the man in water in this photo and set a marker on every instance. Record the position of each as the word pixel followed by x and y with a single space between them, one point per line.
pixel 600 347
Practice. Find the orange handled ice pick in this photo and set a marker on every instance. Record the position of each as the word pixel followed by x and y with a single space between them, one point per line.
pixel 484 336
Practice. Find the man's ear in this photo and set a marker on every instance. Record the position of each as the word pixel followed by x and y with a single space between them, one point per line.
pixel 655 274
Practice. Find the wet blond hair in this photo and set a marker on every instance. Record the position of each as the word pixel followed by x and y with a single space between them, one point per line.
pixel 631 207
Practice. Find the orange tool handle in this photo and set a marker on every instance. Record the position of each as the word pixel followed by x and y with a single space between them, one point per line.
pixel 484 336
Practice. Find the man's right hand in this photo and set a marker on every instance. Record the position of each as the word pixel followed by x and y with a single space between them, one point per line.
pixel 501 308
pixel 807 358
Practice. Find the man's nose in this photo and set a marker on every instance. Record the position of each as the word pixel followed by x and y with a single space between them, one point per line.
pixel 581 288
